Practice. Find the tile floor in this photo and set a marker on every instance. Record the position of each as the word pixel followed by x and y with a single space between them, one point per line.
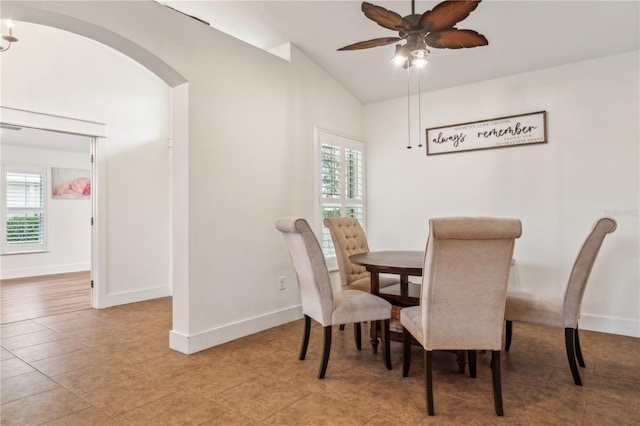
pixel 114 367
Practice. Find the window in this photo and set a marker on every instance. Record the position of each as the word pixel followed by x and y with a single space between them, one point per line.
pixel 24 209
pixel 341 181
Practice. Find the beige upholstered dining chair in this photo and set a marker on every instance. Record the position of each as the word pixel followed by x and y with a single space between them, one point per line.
pixel 348 239
pixel 318 300
pixel 561 312
pixel 465 277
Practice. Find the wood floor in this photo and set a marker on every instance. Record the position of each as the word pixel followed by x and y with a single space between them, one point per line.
pixel 35 297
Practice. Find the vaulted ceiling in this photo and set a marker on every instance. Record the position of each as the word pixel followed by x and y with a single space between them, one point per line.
pixel 523 36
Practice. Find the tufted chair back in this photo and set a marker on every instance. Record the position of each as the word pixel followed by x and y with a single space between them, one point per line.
pixel 349 239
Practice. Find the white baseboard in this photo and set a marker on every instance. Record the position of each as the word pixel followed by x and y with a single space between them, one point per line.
pixel 45 270
pixel 621 326
pixel 115 299
pixel 217 336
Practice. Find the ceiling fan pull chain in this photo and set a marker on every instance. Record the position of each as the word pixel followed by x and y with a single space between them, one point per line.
pixel 419 109
pixel 408 108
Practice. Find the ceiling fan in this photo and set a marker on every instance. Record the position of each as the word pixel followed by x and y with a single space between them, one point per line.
pixel 434 28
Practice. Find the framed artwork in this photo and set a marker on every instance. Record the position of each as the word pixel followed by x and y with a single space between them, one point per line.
pixel 74 184
pixel 499 132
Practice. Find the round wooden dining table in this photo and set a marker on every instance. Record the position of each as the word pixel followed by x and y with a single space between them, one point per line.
pixel 402 263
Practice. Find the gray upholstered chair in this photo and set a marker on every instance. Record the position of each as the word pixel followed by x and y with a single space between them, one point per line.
pixel 318 300
pixel 561 312
pixel 348 239
pixel 465 277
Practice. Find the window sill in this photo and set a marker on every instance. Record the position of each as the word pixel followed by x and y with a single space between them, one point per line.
pixel 11 253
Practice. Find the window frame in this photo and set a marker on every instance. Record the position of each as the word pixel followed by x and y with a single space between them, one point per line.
pixel 5 247
pixel 322 136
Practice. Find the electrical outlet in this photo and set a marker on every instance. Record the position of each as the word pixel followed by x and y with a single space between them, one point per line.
pixel 282 283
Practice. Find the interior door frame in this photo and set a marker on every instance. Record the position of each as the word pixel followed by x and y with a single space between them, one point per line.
pixel 97 132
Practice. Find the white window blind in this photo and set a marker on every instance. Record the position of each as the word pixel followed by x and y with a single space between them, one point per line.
pixel 24 204
pixel 342 190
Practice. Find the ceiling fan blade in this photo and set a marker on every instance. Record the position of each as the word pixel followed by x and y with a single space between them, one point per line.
pixel 385 18
pixel 371 43
pixel 455 39
pixel 446 14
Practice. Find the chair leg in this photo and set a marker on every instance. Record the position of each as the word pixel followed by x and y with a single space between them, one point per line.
pixel 507 337
pixel 578 350
pixel 305 337
pixel 386 353
pixel 497 383
pixel 428 383
pixel 357 334
pixel 406 352
pixel 472 363
pixel 569 340
pixel 326 349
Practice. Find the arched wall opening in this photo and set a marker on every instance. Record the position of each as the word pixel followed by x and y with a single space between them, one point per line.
pixel 177 143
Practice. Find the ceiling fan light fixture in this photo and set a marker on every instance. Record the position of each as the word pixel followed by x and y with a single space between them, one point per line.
pixel 399 57
pixel 419 62
pixel 419 57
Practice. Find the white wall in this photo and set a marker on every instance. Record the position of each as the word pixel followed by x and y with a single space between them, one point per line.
pixel 69 236
pixel 60 73
pixel 588 169
pixel 246 149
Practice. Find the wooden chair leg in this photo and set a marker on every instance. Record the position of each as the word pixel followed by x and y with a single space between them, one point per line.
pixel 406 352
pixel 472 363
pixel 386 353
pixel 357 334
pixel 326 349
pixel 569 341
pixel 305 337
pixel 507 336
pixel 428 383
pixel 497 383
pixel 461 359
pixel 578 350
pixel 373 331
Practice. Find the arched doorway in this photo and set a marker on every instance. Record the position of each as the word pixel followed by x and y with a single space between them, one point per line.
pixel 166 74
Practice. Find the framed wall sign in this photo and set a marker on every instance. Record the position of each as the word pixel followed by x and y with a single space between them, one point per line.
pixel 500 132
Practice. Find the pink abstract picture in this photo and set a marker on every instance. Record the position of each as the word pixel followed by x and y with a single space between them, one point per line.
pixel 70 183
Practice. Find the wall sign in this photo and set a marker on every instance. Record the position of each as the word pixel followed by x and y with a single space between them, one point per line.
pixel 494 133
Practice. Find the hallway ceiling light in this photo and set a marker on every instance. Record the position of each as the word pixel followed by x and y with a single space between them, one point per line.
pixel 8 37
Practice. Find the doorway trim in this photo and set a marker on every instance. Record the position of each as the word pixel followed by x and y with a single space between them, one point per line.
pixel 97 132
